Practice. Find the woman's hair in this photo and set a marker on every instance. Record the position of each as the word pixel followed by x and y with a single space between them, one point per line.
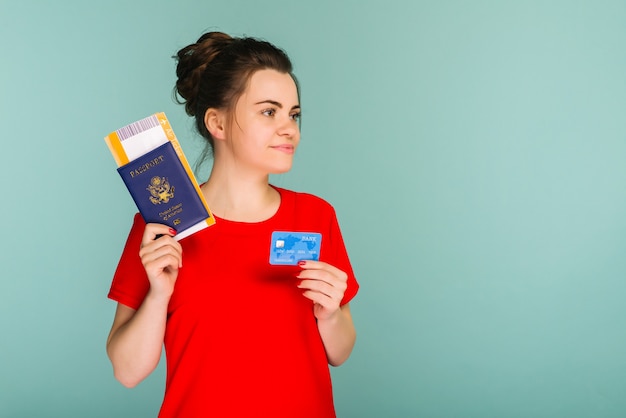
pixel 214 72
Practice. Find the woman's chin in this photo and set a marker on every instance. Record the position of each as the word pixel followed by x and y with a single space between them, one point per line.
pixel 281 170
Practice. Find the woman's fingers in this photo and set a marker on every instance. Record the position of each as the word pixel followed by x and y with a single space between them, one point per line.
pixel 323 284
pixel 154 231
pixel 320 265
pixel 323 287
pixel 321 272
pixel 161 256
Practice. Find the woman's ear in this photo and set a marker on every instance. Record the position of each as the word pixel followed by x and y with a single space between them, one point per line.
pixel 215 122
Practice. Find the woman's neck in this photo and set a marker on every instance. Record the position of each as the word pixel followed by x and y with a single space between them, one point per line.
pixel 242 199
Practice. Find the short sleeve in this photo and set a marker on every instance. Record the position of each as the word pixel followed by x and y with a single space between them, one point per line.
pixel 338 257
pixel 130 282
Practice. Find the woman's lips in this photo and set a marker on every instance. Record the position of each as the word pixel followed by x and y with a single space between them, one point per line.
pixel 286 148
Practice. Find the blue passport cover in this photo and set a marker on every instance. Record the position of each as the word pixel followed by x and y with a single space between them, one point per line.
pixel 162 190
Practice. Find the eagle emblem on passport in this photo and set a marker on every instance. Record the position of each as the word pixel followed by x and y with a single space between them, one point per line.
pixel 160 190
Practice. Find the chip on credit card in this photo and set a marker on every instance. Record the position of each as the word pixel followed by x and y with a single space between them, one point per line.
pixel 288 248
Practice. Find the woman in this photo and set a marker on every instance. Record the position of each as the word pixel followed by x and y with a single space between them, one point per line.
pixel 242 337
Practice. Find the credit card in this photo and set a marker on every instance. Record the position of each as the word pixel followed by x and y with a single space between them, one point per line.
pixel 288 248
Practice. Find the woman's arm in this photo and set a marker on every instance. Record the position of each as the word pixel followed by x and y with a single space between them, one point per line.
pixel 135 342
pixel 136 339
pixel 325 285
pixel 338 335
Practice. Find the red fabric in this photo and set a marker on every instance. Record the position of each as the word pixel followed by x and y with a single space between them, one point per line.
pixel 241 340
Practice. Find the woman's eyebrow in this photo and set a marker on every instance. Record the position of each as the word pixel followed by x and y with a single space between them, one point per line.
pixel 277 104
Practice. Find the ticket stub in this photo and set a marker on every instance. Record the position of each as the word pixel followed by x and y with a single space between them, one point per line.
pixel 287 248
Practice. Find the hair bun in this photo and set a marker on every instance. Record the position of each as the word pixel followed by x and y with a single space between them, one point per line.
pixel 192 61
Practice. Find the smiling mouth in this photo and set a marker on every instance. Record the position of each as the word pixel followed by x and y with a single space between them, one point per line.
pixel 288 149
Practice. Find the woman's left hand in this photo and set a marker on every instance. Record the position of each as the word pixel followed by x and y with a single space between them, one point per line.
pixel 325 285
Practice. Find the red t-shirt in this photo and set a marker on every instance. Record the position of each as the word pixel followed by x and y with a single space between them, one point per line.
pixel 241 339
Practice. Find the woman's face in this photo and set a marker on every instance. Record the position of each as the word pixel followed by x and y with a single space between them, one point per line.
pixel 264 132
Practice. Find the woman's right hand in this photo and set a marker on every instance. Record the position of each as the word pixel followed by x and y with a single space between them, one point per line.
pixel 136 338
pixel 161 256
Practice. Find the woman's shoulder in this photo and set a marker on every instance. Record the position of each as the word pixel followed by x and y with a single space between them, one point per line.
pixel 304 198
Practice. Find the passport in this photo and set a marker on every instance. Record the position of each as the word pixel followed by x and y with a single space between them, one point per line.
pixel 161 189
pixel 287 248
pixel 158 177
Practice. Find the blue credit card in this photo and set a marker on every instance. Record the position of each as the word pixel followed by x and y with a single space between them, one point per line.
pixel 288 248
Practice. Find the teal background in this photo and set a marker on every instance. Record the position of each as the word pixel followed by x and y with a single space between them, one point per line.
pixel 474 151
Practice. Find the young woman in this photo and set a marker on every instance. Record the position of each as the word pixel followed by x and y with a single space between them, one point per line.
pixel 243 337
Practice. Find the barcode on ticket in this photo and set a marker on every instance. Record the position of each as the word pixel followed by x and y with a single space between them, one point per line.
pixel 138 127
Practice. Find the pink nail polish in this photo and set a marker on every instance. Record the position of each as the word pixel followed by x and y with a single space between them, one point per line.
pixel 172 231
pixel 301 263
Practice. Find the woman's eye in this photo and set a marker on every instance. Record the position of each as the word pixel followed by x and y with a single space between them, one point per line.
pixel 296 116
pixel 269 112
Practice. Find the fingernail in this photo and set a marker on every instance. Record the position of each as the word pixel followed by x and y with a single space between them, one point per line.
pixel 172 231
pixel 301 263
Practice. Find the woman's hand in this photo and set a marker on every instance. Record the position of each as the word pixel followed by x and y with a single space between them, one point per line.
pixel 136 338
pixel 325 285
pixel 161 256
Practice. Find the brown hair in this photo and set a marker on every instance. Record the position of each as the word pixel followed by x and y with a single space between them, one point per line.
pixel 215 71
